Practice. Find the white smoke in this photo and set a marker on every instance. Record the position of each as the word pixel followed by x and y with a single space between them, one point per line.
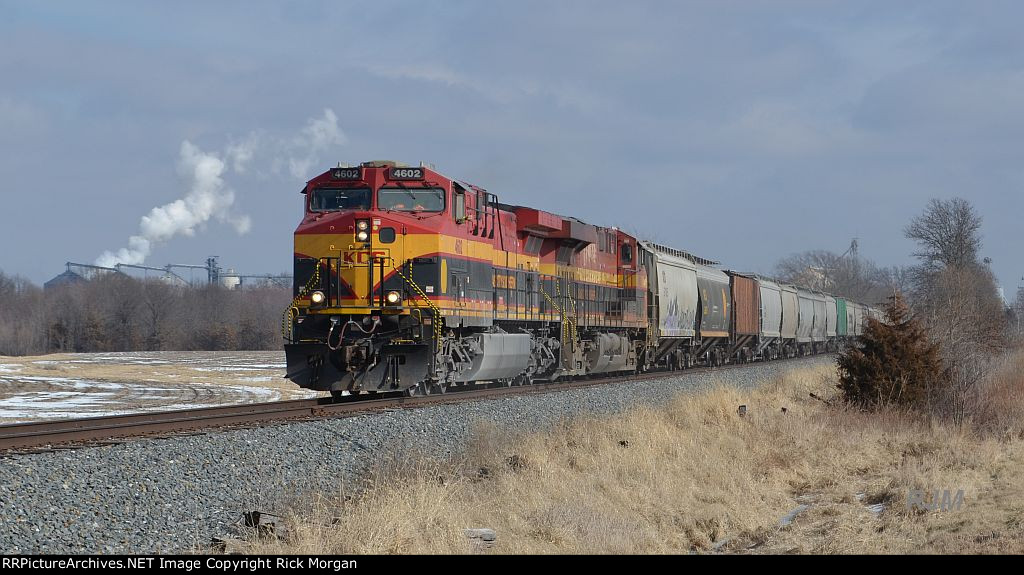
pixel 319 135
pixel 209 196
pixel 241 153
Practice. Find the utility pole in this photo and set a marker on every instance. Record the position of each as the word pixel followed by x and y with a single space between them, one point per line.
pixel 850 251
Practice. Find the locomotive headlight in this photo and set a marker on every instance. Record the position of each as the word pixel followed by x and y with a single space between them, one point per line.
pixel 363 236
pixel 394 298
pixel 362 225
pixel 317 297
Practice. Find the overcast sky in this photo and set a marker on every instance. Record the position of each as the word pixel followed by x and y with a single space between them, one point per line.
pixel 740 131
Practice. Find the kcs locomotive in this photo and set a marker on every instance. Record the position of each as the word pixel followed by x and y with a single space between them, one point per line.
pixel 407 280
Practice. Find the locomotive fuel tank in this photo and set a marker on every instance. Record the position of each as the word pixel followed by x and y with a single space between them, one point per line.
pixel 608 352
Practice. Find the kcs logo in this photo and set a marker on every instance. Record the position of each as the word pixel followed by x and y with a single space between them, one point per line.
pixel 362 257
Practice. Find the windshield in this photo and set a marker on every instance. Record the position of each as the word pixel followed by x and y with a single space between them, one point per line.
pixel 336 199
pixel 411 199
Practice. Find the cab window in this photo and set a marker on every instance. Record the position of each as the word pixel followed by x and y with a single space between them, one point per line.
pixel 339 199
pixel 411 199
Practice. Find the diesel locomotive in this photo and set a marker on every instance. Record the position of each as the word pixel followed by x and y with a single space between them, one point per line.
pixel 408 280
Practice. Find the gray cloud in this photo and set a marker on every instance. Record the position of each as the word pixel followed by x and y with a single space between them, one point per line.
pixel 804 123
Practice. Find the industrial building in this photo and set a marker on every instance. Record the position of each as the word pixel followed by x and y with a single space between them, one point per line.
pixel 184 275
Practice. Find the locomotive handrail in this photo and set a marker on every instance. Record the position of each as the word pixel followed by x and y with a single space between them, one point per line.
pixel 570 320
pixel 287 329
pixel 543 292
pixel 565 319
pixel 575 312
pixel 422 294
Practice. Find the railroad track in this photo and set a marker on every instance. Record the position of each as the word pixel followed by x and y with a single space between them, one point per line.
pixel 34 437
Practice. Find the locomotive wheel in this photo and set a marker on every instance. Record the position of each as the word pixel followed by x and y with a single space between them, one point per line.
pixel 517 381
pixel 434 388
pixel 425 388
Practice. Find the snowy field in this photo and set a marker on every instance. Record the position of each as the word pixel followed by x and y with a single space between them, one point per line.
pixel 97 384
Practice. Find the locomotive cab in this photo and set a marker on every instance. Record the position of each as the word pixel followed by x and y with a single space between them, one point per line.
pixel 365 272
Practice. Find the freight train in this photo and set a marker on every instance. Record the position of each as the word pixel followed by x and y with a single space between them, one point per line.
pixel 408 280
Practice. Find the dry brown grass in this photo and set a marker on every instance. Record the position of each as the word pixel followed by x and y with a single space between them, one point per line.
pixel 690 476
pixel 177 370
pixel 1000 402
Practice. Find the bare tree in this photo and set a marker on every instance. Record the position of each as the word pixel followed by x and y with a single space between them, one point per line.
pixel 953 290
pixel 956 296
pixel 1017 314
pixel 894 279
pixel 21 324
pixel 809 269
pixel 948 234
pixel 160 303
pixel 119 313
pixel 846 275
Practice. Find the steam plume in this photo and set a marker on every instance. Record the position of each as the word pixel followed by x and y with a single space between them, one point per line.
pixel 210 197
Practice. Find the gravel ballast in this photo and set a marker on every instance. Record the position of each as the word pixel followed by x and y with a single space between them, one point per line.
pixel 171 495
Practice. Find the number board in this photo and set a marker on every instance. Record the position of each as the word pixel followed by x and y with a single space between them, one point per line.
pixel 406 173
pixel 347 174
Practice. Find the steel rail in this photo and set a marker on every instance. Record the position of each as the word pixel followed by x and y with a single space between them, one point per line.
pixel 89 431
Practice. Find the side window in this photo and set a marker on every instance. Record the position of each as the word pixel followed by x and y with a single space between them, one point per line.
pixel 564 255
pixel 387 235
pixel 460 206
pixel 627 253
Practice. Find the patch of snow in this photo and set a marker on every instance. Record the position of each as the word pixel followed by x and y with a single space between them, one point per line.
pixel 49 404
pixel 792 515
pixel 244 389
pixel 62 382
pixel 42 397
pixel 120 361
pixel 229 368
pixel 877 508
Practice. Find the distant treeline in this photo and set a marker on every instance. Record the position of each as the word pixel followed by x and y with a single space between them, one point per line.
pixel 120 313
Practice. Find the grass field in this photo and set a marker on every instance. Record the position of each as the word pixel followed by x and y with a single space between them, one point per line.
pixel 94 384
pixel 795 474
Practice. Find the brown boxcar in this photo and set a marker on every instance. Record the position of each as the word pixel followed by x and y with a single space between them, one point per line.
pixel 746 305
